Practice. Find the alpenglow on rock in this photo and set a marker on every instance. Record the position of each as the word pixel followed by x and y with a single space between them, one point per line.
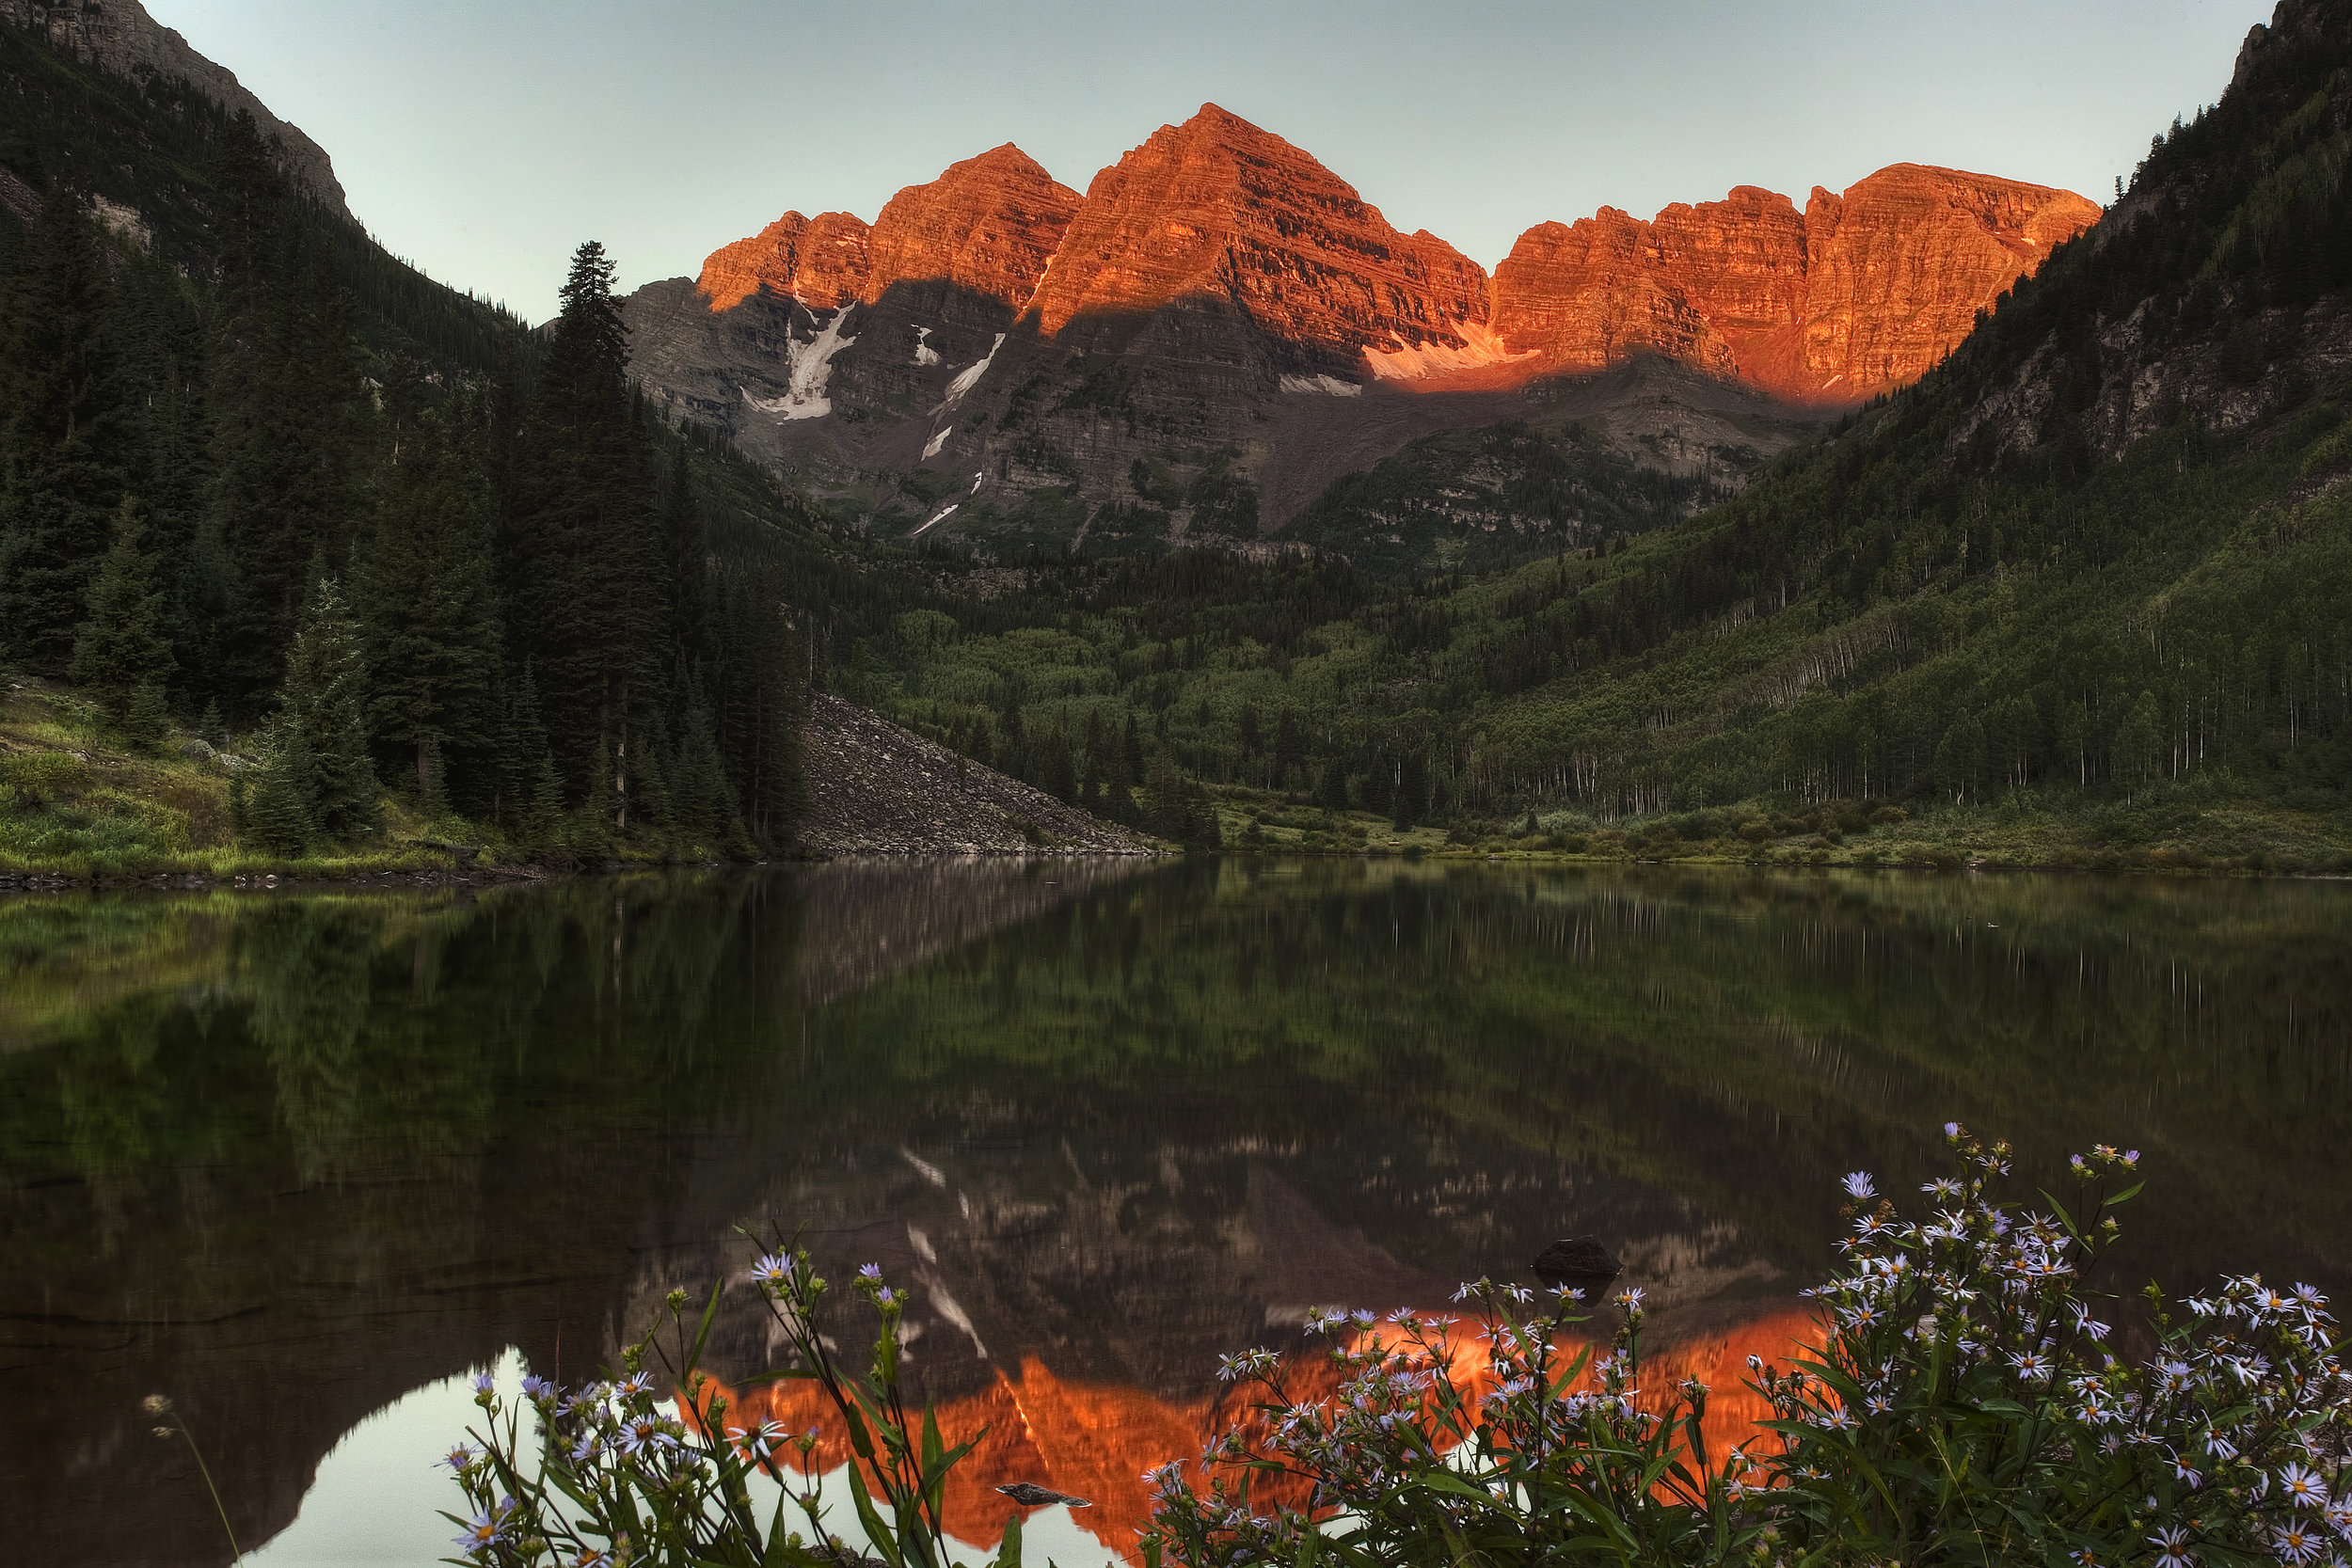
pixel 1193 351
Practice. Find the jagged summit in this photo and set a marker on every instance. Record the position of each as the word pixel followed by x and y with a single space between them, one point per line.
pixel 988 224
pixel 1222 309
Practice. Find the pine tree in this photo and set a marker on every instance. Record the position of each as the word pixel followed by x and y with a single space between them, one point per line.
pixel 582 555
pixel 61 396
pixel 707 808
pixel 280 802
pixel 288 421
pixel 324 707
pixel 425 600
pixel 120 650
pixel 1333 792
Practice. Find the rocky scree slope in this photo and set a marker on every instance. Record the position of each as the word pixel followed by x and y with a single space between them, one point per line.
pixel 1220 326
pixel 876 789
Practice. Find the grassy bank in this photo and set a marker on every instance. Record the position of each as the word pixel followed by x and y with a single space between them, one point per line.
pixel 78 800
pixel 2192 828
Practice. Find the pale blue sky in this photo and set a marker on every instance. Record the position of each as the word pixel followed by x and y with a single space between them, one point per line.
pixel 484 140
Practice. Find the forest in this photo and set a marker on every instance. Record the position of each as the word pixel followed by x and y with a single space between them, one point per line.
pixel 267 485
pixel 371 538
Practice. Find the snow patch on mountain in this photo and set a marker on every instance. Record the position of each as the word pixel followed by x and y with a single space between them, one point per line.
pixel 924 353
pixel 970 375
pixel 809 367
pixel 1481 345
pixel 1327 385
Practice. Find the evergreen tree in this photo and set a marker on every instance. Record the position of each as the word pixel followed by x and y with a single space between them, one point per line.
pixel 425 600
pixel 707 808
pixel 288 422
pixel 322 719
pixel 1332 795
pixel 120 651
pixel 529 800
pixel 582 560
pixel 280 813
pixel 60 394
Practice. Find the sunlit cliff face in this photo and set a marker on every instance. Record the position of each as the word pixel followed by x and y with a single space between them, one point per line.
pixel 1096 1440
pixel 1857 293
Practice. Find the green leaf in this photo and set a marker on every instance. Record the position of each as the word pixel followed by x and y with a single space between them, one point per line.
pixel 1009 1555
pixel 884 1540
pixel 702 1333
pixel 2125 1195
pixel 2060 1210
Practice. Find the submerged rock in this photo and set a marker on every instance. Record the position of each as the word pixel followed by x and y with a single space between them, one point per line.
pixel 1577 1261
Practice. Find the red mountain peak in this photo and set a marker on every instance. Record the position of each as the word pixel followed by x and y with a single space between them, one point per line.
pixel 1219 209
pixel 989 223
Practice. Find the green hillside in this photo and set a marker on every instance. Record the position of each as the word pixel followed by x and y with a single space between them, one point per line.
pixel 2079 594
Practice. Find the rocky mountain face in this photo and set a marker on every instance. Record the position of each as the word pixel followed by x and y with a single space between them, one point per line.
pixel 1857 294
pixel 1221 327
pixel 120 36
pixel 2219 290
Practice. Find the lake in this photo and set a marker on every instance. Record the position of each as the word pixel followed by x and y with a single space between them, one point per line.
pixel 300 1159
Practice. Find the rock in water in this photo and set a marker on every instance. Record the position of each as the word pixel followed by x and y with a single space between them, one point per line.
pixel 1577 1261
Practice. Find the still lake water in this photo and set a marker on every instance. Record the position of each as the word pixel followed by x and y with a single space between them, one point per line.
pixel 298 1160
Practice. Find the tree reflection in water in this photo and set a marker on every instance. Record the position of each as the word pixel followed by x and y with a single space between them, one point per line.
pixel 288 1157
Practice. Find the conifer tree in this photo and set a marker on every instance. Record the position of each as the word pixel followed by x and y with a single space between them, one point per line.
pixel 60 393
pixel 120 650
pixel 280 813
pixel 425 600
pixel 706 809
pixel 322 712
pixel 582 557
pixel 288 422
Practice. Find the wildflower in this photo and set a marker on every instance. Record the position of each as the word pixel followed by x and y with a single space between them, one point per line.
pixel 458 1458
pixel 774 1269
pixel 2296 1542
pixel 487 1529
pixel 536 1388
pixel 2302 1488
pixel 1630 1299
pixel 1858 1185
pixel 2186 1474
pixel 594 1557
pixel 634 1384
pixel 641 1435
pixel 885 1295
pixel 2172 1544
pixel 482 1382
pixel 869 1271
pixel 586 1450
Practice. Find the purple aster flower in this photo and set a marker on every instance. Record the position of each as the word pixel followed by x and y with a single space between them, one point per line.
pixel 1858 1185
pixel 487 1529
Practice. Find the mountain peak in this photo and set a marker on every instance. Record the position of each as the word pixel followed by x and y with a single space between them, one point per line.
pixel 1220 210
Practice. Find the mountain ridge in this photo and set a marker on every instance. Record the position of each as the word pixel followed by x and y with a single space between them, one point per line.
pixel 1044 348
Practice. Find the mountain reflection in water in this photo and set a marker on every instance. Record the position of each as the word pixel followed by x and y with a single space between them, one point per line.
pixel 289 1157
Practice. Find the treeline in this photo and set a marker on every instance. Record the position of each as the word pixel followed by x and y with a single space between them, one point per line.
pixel 1975 593
pixel 262 481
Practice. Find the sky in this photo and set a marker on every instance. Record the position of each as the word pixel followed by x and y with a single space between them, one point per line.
pixel 484 139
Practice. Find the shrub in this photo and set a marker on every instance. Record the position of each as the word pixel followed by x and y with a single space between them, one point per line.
pixel 1886 816
pixel 44 778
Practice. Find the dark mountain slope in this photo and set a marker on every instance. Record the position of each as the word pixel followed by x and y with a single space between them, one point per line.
pixel 2084 587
